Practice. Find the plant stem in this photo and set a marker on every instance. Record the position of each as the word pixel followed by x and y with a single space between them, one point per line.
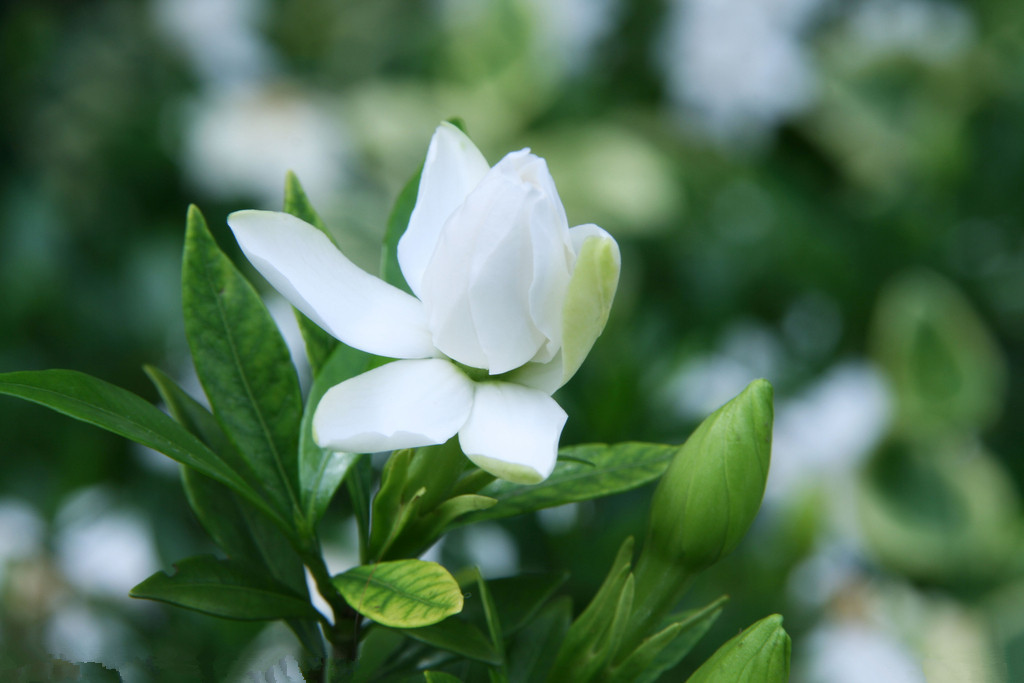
pixel 343 635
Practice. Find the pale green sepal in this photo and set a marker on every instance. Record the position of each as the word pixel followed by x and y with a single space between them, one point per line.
pixel 588 300
pixel 759 654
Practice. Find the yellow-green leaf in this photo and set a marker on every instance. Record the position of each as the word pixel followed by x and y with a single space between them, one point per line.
pixel 401 594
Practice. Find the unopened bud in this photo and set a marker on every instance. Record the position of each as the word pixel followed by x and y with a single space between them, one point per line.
pixel 760 653
pixel 712 490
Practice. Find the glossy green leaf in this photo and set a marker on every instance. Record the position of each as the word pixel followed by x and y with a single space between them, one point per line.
pixel 665 649
pixel 612 469
pixel 319 344
pixel 401 594
pixel 491 615
pixel 379 649
pixel 459 637
pixel 243 364
pixel 520 598
pixel 398 221
pixel 322 471
pixel 224 588
pixel 239 528
pixel 760 653
pixel 391 505
pixel 534 649
pixel 297 203
pixel 119 411
pixel 440 677
pixel 358 483
pixel 593 636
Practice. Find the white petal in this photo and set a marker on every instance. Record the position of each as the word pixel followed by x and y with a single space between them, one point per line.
pixel 404 404
pixel 513 432
pixel 546 377
pixel 304 265
pixel 453 167
pixel 475 289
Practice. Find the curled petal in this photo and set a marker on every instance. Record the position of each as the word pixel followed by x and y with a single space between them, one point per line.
pixel 404 404
pixel 304 265
pixel 453 167
pixel 513 432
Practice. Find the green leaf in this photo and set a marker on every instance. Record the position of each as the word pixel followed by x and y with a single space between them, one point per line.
pixel 518 599
pixel 534 649
pixel 760 653
pixel 319 344
pixel 243 364
pixel 119 411
pixel 490 615
pixel 440 677
pixel 297 203
pixel 612 469
pixel 238 527
pixel 459 637
pixel 379 650
pixel 225 588
pixel 665 649
pixel 391 507
pixel 358 483
pixel 322 471
pixel 401 594
pixel 589 642
pixel 398 221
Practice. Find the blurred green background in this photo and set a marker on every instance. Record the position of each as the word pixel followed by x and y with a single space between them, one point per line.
pixel 827 194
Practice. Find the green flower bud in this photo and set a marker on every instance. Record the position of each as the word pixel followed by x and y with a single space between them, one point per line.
pixel 760 653
pixel 712 490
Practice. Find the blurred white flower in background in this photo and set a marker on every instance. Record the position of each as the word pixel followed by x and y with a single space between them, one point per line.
pixel 822 435
pixel 21 533
pixel 241 142
pixel 739 67
pixel 930 31
pixel 568 30
pixel 220 38
pixel 102 549
pixel 853 652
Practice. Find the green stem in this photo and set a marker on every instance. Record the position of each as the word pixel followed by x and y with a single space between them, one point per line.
pixel 343 635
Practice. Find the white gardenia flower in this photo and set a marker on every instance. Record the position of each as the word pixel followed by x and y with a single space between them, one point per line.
pixel 508 302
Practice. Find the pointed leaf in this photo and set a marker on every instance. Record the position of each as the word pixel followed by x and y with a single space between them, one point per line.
pixel 297 203
pixel 321 471
pixel 358 483
pixel 119 411
pixel 401 594
pixel 398 221
pixel 459 637
pixel 490 615
pixel 440 677
pixel 224 588
pixel 519 599
pixel 243 364
pixel 389 503
pixel 611 469
pixel 584 647
pixel 536 646
pixel 665 649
